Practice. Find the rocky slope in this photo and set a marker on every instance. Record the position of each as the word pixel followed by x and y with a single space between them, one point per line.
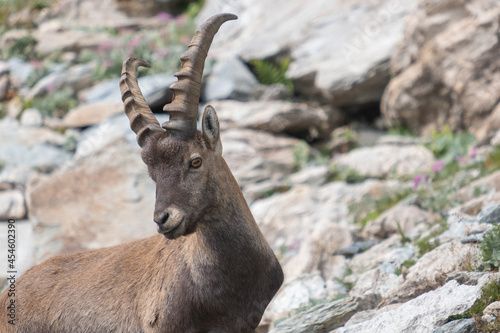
pixel 376 232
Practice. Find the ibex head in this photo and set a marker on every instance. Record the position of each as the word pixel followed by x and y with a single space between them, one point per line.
pixel 184 162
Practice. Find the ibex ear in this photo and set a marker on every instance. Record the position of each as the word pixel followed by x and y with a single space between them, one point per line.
pixel 210 126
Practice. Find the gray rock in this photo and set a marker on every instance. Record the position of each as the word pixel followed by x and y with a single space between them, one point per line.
pixel 388 255
pixel 53 40
pixel 4 68
pixel 430 271
pixel 278 117
pixel 12 205
pixel 20 71
pixel 307 224
pixel 340 50
pixel 230 79
pixel 95 138
pixel 257 156
pixel 377 282
pixel 422 314
pixel 355 248
pixel 16 175
pixel 31 118
pixel 299 293
pixel 369 314
pixel 325 317
pixel 474 239
pixel 489 214
pixel 439 72
pixel 154 88
pixel 24 248
pixel 387 160
pixel 87 203
pixel 39 156
pixel 4 80
pixel 312 175
pixel 76 77
pixel 404 218
pixel 91 114
pixel 458 326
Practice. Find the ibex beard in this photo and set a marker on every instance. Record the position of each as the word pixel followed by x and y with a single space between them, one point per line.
pixel 208 270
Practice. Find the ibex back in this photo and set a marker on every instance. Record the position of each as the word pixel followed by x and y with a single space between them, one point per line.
pixel 209 269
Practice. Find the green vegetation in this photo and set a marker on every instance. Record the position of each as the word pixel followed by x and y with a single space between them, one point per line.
pixel 23 48
pixel 489 294
pixel 438 197
pixel 404 238
pixel 8 7
pixel 2 165
pixel 3 111
pixel 491 162
pixel 490 248
pixel 447 145
pixel 400 130
pixel 407 264
pixel 343 173
pixel 56 104
pixel 271 72
pixel 304 155
pixel 161 48
pixel 369 209
pixel 428 243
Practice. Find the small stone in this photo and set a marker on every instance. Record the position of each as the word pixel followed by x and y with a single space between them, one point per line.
pixel 12 205
pixel 458 326
pixel 91 114
pixel 230 79
pixel 383 161
pixel 493 309
pixel 400 218
pixel 489 214
pixel 31 118
pixel 355 248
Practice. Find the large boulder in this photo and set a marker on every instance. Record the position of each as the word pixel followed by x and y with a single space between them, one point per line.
pixel 447 70
pixel 280 117
pixel 339 49
pixel 423 313
pixel 387 160
pixel 100 200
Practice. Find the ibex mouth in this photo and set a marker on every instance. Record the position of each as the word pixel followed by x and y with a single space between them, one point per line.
pixel 172 232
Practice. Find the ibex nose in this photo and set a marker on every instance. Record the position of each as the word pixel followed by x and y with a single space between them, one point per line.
pixel 161 218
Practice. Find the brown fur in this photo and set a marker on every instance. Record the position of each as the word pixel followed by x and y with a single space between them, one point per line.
pixel 215 272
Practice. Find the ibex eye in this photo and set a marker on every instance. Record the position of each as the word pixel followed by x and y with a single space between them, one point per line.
pixel 196 163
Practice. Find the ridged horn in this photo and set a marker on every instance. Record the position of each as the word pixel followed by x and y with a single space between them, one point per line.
pixel 183 109
pixel 142 120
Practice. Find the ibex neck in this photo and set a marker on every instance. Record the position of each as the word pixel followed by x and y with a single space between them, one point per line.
pixel 229 230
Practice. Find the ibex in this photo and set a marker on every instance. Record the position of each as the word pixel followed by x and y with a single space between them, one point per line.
pixel 209 269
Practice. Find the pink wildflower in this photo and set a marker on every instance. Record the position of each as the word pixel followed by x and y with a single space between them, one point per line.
pixel 473 153
pixel 105 47
pixel 164 16
pixel 422 178
pixel 181 20
pixel 50 87
pixel 163 53
pixel 107 64
pixel 134 42
pixel 438 166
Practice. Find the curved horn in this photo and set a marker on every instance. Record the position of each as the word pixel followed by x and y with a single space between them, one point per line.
pixel 142 120
pixel 184 107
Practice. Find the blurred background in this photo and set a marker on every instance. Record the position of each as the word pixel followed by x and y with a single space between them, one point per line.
pixel 363 133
